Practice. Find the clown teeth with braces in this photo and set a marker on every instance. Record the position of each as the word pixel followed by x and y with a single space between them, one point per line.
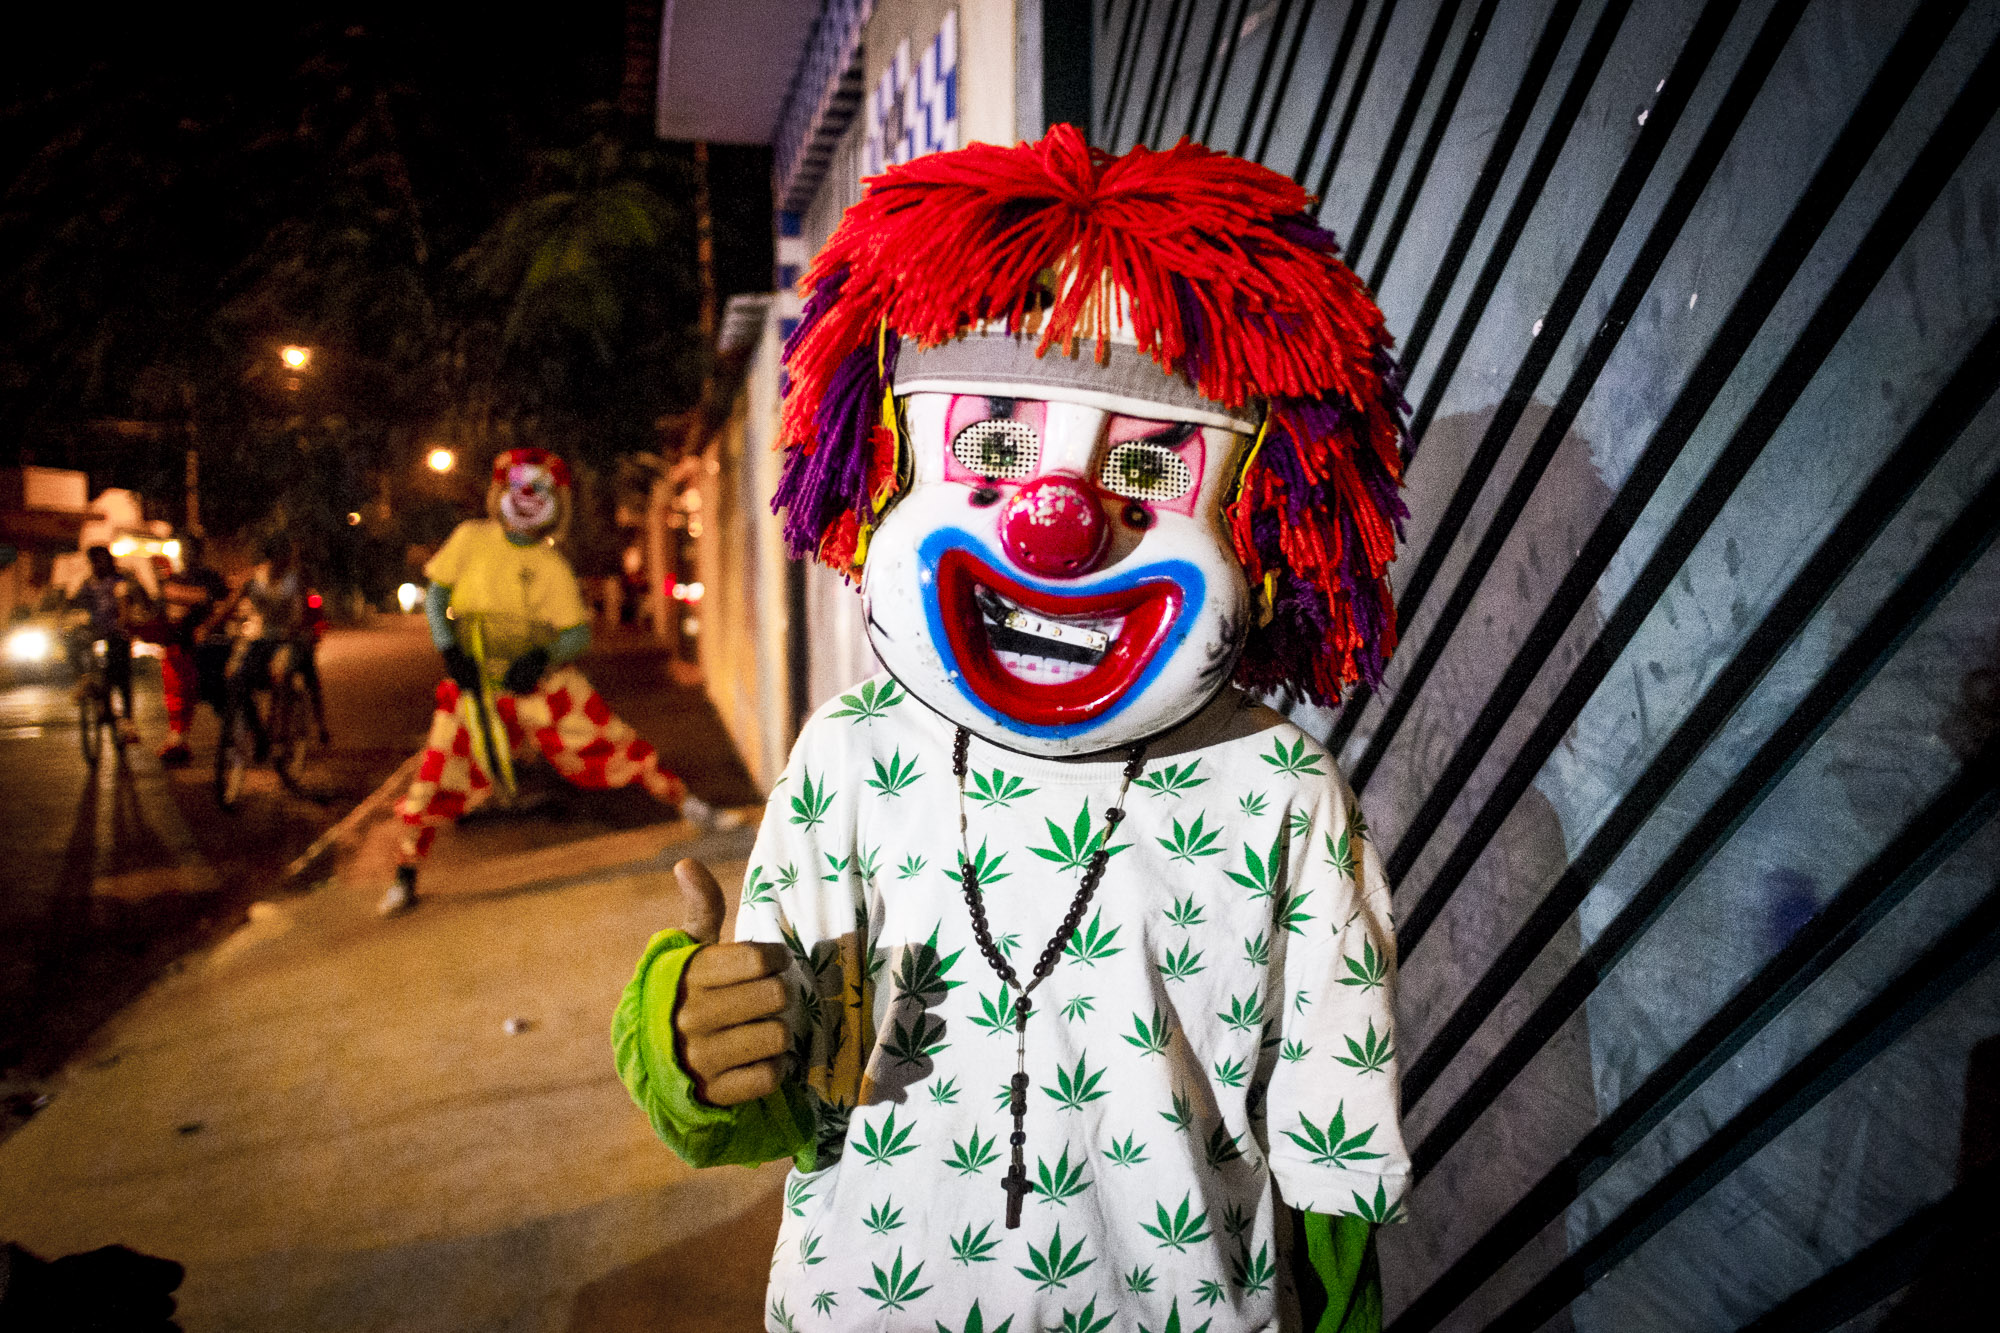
pixel 1044 649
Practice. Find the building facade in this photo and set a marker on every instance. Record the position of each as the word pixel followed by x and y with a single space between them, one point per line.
pixel 1685 770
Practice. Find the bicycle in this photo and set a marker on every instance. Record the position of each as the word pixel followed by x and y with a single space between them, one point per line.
pixel 279 726
pixel 94 715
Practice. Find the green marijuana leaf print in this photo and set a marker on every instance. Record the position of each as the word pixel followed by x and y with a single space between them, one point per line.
pixel 1378 1209
pixel 896 777
pixel 986 869
pixel 1257 951
pixel 1292 761
pixel 1076 1007
pixel 1084 1320
pixel 996 1015
pixel 923 971
pixel 757 890
pixel 824 1302
pixel 1252 803
pixel 1072 849
pixel 882 1146
pixel 797 1196
pixel 1253 1275
pixel 883 1218
pixel 1060 1183
pixel 996 790
pixel 1340 854
pixel 1230 1073
pixel 1332 1145
pixel 1173 1324
pixel 1171 780
pixel 1244 1012
pixel 1209 1292
pixel 1052 1268
pixel 1140 1280
pixel 1192 841
pixel 782 1317
pixel 943 1091
pixel 1176 1231
pixel 1150 1038
pixel 894 1288
pixel 1092 944
pixel 973 1155
pixel 1262 879
pixel 1075 1088
pixel 1370 1055
pixel 869 702
pixel 969 1249
pixel 1299 822
pixel 975 1322
pixel 1126 1152
pixel 1185 913
pixel 915 1039
pixel 1288 913
pixel 1182 1116
pixel 1223 1148
pixel 1294 1051
pixel 1367 972
pixel 1179 966
pixel 809 807
pixel 911 867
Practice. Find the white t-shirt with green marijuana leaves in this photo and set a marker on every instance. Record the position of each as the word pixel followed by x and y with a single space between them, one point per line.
pixel 1219 1024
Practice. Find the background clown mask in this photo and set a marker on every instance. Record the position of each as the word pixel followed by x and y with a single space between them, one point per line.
pixel 1057 578
pixel 528 503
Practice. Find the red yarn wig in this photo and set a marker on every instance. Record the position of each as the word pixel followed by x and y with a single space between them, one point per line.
pixel 1226 281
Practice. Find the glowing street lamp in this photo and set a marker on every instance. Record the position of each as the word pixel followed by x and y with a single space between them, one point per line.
pixel 295 357
pixel 441 460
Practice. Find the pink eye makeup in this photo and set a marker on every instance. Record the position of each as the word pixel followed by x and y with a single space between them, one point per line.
pixel 1157 464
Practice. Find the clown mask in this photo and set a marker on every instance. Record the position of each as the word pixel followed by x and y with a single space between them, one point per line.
pixel 528 504
pixel 1057 578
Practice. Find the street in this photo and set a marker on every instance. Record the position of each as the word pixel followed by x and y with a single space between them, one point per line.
pixel 340 1122
pixel 118 873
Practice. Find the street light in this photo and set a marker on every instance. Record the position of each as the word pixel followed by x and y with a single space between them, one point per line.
pixel 295 357
pixel 441 460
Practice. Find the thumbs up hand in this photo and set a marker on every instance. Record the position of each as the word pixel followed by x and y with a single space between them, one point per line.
pixel 729 1025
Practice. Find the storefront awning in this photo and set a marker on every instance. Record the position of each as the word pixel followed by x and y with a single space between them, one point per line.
pixel 726 65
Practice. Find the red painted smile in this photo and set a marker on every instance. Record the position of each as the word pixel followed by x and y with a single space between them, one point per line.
pixel 1043 658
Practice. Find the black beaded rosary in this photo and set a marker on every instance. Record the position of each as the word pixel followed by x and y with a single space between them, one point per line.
pixel 1015 1182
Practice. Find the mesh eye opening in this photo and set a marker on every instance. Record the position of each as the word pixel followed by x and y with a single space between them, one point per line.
pixel 998 447
pixel 1143 470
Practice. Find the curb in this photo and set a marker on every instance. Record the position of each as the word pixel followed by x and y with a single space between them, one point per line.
pixel 351 821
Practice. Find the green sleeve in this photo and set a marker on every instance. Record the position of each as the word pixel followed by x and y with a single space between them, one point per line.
pixel 1339 1282
pixel 437 601
pixel 780 1125
pixel 571 644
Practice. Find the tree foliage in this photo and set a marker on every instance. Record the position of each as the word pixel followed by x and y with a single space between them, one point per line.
pixel 478 250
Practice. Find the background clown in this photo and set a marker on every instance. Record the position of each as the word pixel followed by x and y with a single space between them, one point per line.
pixel 505 611
pixel 1064 968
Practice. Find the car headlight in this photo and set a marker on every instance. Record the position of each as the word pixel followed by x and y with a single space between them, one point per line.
pixel 30 644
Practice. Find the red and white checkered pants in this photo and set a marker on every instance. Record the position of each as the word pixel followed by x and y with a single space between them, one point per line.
pixel 564 718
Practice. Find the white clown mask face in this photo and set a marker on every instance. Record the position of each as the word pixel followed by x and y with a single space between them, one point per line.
pixel 1057 578
pixel 528 501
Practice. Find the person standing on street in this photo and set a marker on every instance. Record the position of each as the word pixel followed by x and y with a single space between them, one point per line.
pixel 188 598
pixel 507 615
pixel 113 601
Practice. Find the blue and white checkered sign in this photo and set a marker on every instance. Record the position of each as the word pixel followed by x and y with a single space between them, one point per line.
pixel 914 107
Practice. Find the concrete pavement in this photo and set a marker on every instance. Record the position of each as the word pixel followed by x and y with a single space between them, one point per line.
pixel 328 1120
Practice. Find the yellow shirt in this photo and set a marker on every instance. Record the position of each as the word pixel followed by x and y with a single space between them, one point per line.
pixel 522 596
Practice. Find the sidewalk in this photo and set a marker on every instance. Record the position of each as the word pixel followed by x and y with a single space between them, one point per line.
pixel 326 1118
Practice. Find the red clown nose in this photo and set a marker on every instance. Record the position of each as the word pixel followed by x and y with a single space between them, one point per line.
pixel 1054 527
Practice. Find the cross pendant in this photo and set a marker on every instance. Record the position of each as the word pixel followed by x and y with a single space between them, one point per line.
pixel 1015 1182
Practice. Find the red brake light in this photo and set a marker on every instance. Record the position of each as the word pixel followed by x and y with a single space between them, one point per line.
pixel 313 600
